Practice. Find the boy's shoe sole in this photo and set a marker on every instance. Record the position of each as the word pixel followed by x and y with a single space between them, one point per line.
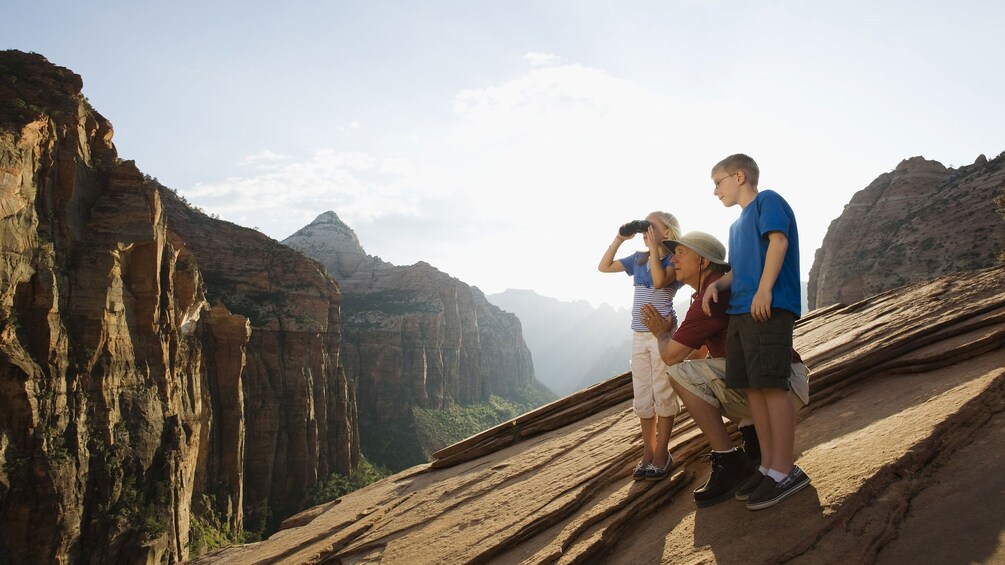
pixel 770 493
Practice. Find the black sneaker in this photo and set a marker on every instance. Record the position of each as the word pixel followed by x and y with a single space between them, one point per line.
pixel 654 473
pixel 751 444
pixel 729 471
pixel 749 486
pixel 770 493
pixel 639 473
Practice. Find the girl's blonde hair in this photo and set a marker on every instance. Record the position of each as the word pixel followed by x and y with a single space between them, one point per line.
pixel 673 226
pixel 672 231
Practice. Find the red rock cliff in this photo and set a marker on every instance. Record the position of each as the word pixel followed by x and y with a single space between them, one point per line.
pixel 153 362
pixel 918 222
pixel 414 337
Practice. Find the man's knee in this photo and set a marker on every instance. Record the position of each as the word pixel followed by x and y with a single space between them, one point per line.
pixel 694 380
pixel 676 386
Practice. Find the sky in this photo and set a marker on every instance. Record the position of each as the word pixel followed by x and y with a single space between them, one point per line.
pixel 504 142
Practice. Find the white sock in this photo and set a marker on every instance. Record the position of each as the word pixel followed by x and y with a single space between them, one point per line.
pixel 727 451
pixel 777 475
pixel 762 470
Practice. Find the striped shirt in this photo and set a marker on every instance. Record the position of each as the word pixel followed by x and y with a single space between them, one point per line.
pixel 660 298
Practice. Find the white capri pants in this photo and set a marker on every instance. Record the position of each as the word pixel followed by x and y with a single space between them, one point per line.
pixel 653 394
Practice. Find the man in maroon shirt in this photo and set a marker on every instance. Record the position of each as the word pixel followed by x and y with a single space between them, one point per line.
pixel 700 259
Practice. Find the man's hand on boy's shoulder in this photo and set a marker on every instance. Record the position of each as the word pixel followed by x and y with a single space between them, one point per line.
pixel 711 295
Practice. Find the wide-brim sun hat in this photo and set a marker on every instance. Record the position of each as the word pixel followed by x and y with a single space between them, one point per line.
pixel 703 244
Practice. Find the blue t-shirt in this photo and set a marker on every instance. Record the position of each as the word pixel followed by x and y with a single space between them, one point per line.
pixel 748 247
pixel 660 298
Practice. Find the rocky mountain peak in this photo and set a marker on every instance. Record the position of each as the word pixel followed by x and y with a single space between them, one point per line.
pixel 919 164
pixel 415 339
pixel 329 237
pixel 330 217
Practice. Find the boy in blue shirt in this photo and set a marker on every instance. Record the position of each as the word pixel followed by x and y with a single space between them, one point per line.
pixel 764 304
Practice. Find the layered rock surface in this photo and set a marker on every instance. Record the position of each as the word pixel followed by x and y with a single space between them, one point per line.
pixel 155 364
pixel 900 439
pixel 414 338
pixel 920 221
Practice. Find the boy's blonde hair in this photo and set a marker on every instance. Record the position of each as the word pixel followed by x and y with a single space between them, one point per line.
pixel 739 162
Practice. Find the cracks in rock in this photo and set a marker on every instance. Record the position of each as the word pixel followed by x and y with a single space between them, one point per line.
pixel 557 507
pixel 588 491
pixel 325 554
pixel 907 477
pixel 579 439
pixel 837 374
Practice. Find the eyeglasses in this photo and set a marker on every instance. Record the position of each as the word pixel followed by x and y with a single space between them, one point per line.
pixel 723 178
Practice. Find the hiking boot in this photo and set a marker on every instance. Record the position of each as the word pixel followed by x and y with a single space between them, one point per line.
pixel 750 444
pixel 770 493
pixel 749 486
pixel 729 471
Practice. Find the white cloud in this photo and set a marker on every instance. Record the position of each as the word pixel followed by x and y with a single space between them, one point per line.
pixel 527 187
pixel 536 171
pixel 351 126
pixel 265 158
pixel 359 186
pixel 538 59
pixel 398 166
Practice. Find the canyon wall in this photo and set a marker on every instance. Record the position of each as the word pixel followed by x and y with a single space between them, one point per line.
pixel 918 222
pixel 157 367
pixel 414 338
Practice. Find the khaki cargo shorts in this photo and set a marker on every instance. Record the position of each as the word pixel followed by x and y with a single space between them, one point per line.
pixel 705 378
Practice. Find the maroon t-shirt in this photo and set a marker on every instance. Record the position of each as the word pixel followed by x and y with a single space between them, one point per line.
pixel 699 329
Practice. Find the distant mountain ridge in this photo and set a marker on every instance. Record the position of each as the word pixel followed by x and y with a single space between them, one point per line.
pixel 574 344
pixel 415 339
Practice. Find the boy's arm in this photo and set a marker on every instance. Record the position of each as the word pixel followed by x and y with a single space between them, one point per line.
pixel 760 306
pixel 712 292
